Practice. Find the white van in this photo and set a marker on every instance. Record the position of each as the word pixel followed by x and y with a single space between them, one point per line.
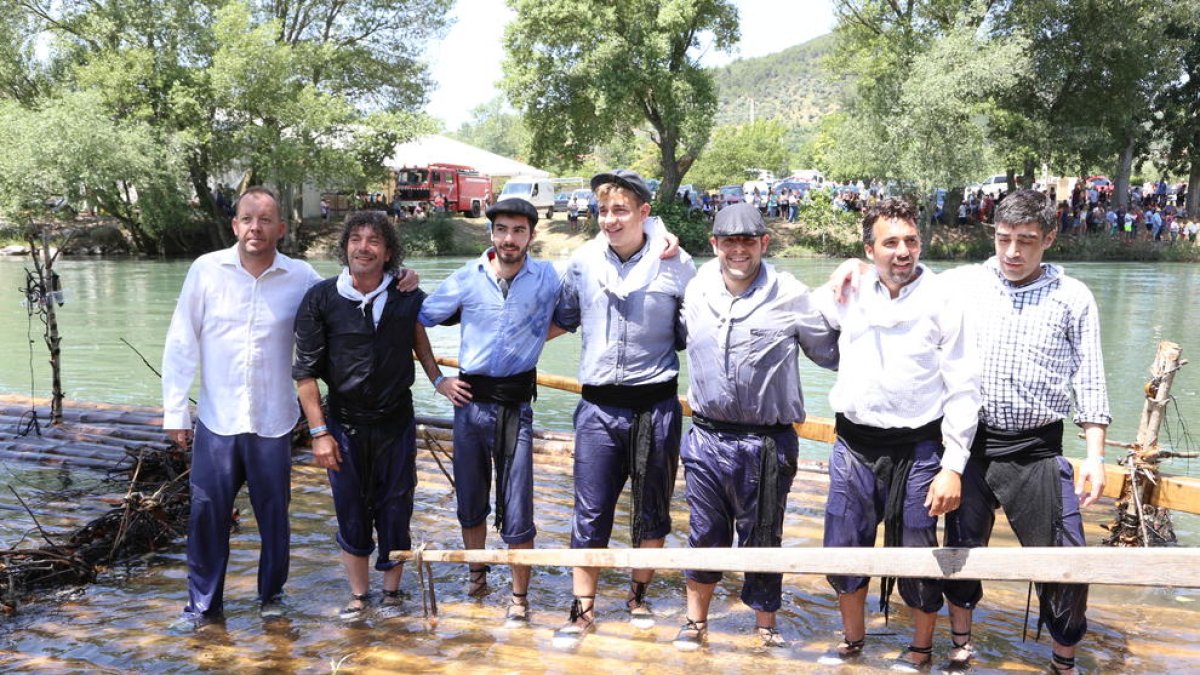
pixel 536 191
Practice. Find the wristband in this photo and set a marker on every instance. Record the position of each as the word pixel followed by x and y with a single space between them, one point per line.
pixel 317 431
pixel 438 380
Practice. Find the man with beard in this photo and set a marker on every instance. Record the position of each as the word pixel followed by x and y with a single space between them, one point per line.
pixel 1038 332
pixel 627 426
pixel 504 300
pixel 746 324
pixel 359 336
pixel 906 402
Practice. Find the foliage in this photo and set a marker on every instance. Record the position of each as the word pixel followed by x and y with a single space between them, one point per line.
pixel 581 71
pixel 690 225
pixel 792 86
pixel 496 129
pixel 737 147
pixel 824 230
pixel 244 91
pixel 433 236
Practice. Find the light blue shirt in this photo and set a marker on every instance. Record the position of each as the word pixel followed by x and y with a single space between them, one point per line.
pixel 630 341
pixel 500 336
pixel 743 350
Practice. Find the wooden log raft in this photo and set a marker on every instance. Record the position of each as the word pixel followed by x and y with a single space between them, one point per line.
pixel 1170 567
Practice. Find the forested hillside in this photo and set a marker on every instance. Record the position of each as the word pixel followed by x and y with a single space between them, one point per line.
pixel 792 86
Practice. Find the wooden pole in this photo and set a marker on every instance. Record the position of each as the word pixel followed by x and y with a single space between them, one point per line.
pixel 1165 567
pixel 818 429
pixel 1137 513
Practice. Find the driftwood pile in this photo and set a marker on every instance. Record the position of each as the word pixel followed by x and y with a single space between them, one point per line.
pixel 148 473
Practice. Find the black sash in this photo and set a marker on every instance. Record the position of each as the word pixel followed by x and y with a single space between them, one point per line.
pixel 889 453
pixel 1039 443
pixel 768 473
pixel 509 393
pixel 641 400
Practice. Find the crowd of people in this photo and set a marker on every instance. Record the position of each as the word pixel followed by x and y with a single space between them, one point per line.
pixel 945 407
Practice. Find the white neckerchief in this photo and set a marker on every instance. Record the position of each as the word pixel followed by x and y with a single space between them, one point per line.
pixel 346 289
pixel 644 270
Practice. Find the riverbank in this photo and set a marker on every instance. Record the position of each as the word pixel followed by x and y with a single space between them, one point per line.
pixel 819 233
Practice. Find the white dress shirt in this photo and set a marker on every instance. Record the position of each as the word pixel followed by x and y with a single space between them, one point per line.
pixel 908 361
pixel 239 329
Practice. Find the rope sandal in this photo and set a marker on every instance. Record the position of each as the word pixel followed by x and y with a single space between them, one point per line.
pixel 962 652
pixel 770 636
pixel 904 665
pixel 692 636
pixel 391 598
pixel 355 608
pixel 477 585
pixel 850 649
pixel 639 612
pixel 517 614
pixel 580 623
pixel 1061 664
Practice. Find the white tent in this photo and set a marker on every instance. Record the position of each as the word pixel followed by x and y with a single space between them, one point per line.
pixel 433 149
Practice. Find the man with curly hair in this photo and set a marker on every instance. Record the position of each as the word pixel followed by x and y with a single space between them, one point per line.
pixel 358 334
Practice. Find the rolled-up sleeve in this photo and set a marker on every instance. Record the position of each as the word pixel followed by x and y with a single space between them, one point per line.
pixel 443 303
pixel 309 330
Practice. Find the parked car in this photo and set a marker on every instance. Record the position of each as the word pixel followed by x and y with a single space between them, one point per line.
pixel 693 195
pixel 561 199
pixel 731 194
pixel 536 191
pixel 793 186
pixel 1101 183
pixel 995 185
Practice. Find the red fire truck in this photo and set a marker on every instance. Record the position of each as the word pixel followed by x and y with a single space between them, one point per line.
pixel 461 187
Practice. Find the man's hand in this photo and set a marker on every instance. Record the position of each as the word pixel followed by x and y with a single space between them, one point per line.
pixel 407 280
pixel 326 453
pixel 455 390
pixel 844 280
pixel 672 248
pixel 945 494
pixel 1091 472
pixel 180 437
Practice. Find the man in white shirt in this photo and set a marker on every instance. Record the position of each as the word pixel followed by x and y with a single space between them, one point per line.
pixel 907 400
pixel 234 317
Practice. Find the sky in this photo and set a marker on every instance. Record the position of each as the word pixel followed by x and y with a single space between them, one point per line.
pixel 465 66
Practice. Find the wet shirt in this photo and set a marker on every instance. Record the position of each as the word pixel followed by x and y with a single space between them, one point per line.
pixel 238 328
pixel 908 360
pixel 1040 345
pixel 366 363
pixel 743 351
pixel 630 340
pixel 502 334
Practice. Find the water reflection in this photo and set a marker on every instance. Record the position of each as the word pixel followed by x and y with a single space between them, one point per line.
pixel 121 623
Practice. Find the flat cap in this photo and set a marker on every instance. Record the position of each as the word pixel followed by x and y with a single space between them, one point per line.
pixel 626 178
pixel 515 206
pixel 741 219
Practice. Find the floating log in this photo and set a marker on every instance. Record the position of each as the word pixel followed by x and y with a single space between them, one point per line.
pixel 1170 567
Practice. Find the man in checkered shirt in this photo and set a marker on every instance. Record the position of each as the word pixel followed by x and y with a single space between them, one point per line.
pixel 1038 334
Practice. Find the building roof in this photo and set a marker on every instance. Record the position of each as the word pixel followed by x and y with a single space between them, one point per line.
pixel 434 148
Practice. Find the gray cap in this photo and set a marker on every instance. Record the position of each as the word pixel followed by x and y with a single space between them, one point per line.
pixel 626 178
pixel 515 206
pixel 739 220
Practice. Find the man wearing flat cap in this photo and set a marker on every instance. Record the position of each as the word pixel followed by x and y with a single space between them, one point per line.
pixel 504 300
pixel 626 297
pixel 746 325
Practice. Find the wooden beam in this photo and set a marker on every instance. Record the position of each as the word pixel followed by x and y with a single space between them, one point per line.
pixel 1181 493
pixel 1162 567
pixel 818 429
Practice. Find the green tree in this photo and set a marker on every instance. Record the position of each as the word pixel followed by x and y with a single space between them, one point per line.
pixel 284 92
pixel 496 129
pixel 582 71
pixel 1176 118
pixel 735 148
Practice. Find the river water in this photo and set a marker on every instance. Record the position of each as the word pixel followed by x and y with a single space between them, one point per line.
pixel 120 623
